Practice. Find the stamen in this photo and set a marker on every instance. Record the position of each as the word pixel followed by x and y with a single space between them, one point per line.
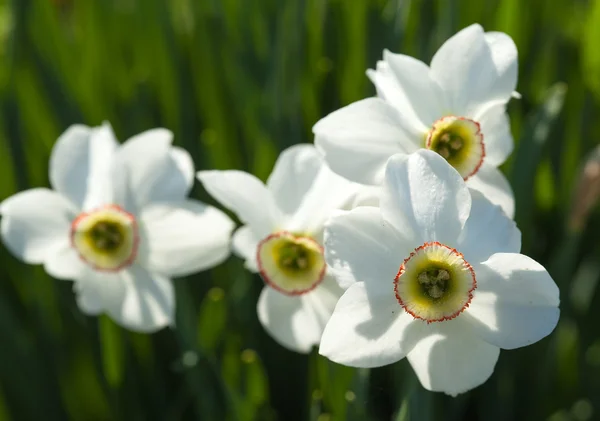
pixel 106 236
pixel 434 281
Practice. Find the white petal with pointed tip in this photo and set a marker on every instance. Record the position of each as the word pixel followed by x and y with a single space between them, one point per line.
pixel 357 140
pixel 361 247
pixel 35 222
pixel 369 329
pixel 460 64
pixel 245 245
pixel 80 164
pixel 419 97
pixel 327 193
pixel 366 196
pixel 450 359
pixel 322 300
pixel 246 196
pixel 184 237
pixel 425 197
pixel 64 262
pixel 505 58
pixel 148 170
pixel 497 136
pixel 185 172
pixel 88 296
pixel 293 175
pixel 473 75
pixel 134 298
pixel 288 320
pixel 97 291
pixel 490 182
pixel 515 303
pixel 487 231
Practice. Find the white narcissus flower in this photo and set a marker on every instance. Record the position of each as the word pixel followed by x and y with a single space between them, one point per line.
pixel 118 223
pixel 455 107
pixel 282 239
pixel 434 275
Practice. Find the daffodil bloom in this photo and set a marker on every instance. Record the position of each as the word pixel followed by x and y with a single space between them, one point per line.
pixel 435 275
pixel 118 223
pixel 455 107
pixel 282 239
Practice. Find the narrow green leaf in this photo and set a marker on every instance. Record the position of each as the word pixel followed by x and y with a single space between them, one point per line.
pixel 212 320
pixel 113 355
pixel 590 50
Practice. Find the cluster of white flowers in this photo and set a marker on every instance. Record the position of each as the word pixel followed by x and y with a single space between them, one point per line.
pixel 392 238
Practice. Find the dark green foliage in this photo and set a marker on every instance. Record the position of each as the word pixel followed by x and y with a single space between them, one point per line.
pixel 237 81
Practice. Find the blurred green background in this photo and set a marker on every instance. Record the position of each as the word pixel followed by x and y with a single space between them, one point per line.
pixel 238 81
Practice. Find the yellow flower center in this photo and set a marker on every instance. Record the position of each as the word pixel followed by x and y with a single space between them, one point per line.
pixel 459 141
pixel 106 238
pixel 435 283
pixel 292 264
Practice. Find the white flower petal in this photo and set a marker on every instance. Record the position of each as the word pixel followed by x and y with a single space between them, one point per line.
pixel 367 196
pixel 357 140
pixel 148 170
pixel 80 164
pixel 185 165
pixel 515 303
pixel 418 97
pixel 451 359
pixel 473 74
pixel 487 231
pixel 245 245
pixel 64 262
pixel 497 136
pixel 149 302
pixel 293 175
pixel 505 57
pixel 361 246
pixel 369 329
pixel 246 196
pixel 135 298
pixel 328 192
pixel 181 238
pixel 322 300
pixel 88 299
pixel 36 222
pixel 288 321
pixel 425 197
pixel 490 182
pixel 97 291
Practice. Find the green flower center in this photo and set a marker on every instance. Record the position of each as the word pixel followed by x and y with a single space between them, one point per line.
pixel 106 236
pixel 434 282
pixel 293 256
pixel 448 145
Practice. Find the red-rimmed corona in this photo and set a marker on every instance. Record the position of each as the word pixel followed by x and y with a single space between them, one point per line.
pixel 460 142
pixel 435 283
pixel 106 238
pixel 290 263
